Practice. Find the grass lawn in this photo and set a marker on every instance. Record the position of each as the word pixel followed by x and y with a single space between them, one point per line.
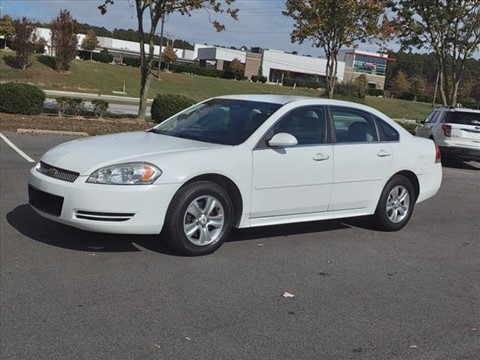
pixel 92 77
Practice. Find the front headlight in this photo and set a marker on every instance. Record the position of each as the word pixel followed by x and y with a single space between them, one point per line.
pixel 126 174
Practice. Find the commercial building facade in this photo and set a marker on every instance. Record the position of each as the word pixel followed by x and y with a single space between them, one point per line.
pixel 275 65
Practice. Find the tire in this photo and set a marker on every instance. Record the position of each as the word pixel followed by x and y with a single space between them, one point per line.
pixel 199 219
pixel 396 204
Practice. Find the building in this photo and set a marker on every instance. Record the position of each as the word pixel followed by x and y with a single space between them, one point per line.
pixel 373 65
pixel 275 65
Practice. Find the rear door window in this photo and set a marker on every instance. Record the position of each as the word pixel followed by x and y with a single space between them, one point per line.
pixel 463 118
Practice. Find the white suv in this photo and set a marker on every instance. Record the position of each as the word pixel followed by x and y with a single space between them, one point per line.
pixel 455 130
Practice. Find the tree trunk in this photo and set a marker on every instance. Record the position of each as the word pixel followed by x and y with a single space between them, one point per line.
pixel 144 86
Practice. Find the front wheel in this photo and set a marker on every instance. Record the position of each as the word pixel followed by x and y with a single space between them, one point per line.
pixel 396 204
pixel 199 218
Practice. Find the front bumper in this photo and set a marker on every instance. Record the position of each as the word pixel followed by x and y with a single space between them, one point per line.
pixel 116 209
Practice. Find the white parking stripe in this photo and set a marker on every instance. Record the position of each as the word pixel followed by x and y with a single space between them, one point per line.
pixel 20 152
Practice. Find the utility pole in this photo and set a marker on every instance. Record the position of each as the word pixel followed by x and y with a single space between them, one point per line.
pixel 161 43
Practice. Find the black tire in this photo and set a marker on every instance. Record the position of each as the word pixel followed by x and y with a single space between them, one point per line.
pixel 385 219
pixel 179 216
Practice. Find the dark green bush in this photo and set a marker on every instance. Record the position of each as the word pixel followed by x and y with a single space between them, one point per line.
pixel 135 62
pixel 100 107
pixel 376 92
pixel 167 105
pixel 254 78
pixel 18 98
pixel 263 79
pixel 104 57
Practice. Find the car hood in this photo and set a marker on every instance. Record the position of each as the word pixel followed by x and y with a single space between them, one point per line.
pixel 89 154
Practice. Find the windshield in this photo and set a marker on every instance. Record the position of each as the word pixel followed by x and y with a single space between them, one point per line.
pixel 220 121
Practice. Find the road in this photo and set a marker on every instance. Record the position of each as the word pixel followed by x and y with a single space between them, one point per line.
pixel 359 293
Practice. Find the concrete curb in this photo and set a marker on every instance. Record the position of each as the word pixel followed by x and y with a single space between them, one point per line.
pixel 51 132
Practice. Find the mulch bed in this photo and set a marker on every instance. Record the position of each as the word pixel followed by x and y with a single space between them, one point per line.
pixel 92 126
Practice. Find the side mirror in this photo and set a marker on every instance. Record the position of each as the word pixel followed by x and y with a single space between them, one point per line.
pixel 282 140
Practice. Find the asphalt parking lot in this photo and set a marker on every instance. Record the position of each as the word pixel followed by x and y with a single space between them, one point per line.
pixel 359 293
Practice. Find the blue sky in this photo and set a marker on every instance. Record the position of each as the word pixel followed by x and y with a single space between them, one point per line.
pixel 260 23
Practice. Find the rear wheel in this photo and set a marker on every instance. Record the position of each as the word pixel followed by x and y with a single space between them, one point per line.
pixel 199 218
pixel 396 204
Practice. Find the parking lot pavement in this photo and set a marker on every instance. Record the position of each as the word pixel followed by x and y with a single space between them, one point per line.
pixel 359 293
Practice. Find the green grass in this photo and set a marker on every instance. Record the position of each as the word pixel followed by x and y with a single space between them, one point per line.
pixel 98 78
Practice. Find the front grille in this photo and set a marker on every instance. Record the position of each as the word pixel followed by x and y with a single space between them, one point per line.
pixel 48 203
pixel 103 216
pixel 57 173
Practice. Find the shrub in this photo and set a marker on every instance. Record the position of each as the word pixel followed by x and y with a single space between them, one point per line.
pixel 263 79
pixel 167 105
pixel 311 84
pixel 362 86
pixel 66 105
pixel 346 89
pixel 410 127
pixel 255 78
pixel 376 92
pixel 104 57
pixel 100 107
pixel 18 98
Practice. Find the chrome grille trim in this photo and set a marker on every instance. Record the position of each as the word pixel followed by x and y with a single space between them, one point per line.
pixel 100 216
pixel 57 173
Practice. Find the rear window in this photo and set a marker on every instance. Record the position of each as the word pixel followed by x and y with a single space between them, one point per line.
pixel 463 118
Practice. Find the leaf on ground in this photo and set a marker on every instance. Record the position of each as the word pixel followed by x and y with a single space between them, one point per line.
pixel 287 294
pixel 413 347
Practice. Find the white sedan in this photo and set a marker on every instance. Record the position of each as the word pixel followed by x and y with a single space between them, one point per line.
pixel 239 161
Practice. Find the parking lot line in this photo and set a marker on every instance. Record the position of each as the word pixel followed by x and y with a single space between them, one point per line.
pixel 14 147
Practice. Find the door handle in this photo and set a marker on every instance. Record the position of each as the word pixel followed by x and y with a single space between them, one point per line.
pixel 321 157
pixel 383 153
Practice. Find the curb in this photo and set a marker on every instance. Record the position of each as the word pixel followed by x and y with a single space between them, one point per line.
pixel 50 132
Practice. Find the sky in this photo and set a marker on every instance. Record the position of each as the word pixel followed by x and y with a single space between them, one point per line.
pixel 260 23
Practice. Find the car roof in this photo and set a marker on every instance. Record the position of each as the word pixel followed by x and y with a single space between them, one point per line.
pixel 457 109
pixel 282 99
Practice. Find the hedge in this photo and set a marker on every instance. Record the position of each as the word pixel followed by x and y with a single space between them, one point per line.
pixel 164 106
pixel 16 98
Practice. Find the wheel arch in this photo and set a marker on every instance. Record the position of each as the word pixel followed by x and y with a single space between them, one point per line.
pixel 410 175
pixel 229 186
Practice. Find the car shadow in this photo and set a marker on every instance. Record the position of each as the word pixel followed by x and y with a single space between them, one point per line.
pixel 24 219
pixel 454 163
pixel 30 224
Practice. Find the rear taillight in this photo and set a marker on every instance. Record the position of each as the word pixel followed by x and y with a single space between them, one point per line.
pixel 438 156
pixel 447 130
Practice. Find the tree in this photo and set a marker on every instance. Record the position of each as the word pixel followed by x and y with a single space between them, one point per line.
pixel 333 24
pixel 417 85
pixel 24 41
pixel 64 39
pixel 449 28
pixel 90 42
pixel 169 55
pixel 155 9
pixel 475 93
pixel 236 66
pixel 399 84
pixel 7 30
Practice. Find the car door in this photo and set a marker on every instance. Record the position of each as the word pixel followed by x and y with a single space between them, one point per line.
pixel 426 129
pixel 361 161
pixel 297 179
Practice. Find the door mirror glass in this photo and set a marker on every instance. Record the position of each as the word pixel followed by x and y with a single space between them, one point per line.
pixel 282 140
